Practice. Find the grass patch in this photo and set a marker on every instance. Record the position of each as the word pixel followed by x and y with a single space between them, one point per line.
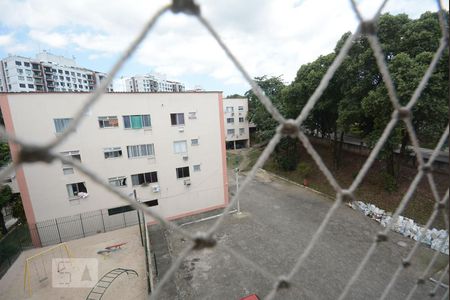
pixel 252 157
pixel 233 160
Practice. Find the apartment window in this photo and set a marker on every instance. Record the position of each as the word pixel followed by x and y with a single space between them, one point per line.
pixel 240 108
pixel 67 170
pixel 66 72
pixel 194 142
pixel 196 168
pixel 21 78
pixel 179 147
pixel 182 172
pixel 26 64
pixel 75 154
pixel 144 178
pixel 22 85
pixel 28 72
pixel 72 73
pixel 230 120
pixel 60 72
pixel 241 120
pixel 19 71
pixel 141 150
pixel 112 152
pixel 68 78
pixel 137 121
pixel 108 122
pixel 229 109
pixel 18 63
pixel 118 181
pixel 230 131
pixel 61 124
pixel 241 130
pixel 78 74
pixel 76 189
pixel 61 77
pixel 177 118
pixel 192 115
pixel 31 86
pixel 29 78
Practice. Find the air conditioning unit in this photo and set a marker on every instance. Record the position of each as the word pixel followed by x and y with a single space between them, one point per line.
pixel 187 182
pixel 155 189
pixel 185 157
pixel 181 129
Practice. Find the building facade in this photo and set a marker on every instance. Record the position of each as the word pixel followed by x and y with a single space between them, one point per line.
pixel 236 124
pixel 46 73
pixel 152 83
pixel 167 147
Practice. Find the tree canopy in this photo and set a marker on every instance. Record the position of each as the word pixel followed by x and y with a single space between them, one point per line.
pixel 356 101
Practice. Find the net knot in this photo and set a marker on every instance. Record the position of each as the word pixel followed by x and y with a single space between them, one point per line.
pixel 289 128
pixel 185 6
pixel 202 241
pixel 30 154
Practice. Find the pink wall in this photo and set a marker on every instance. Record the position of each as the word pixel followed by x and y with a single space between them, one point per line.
pixel 20 175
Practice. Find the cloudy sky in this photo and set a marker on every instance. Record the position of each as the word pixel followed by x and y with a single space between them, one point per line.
pixel 269 37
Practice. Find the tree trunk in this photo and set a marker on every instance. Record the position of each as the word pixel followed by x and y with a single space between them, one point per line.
pixel 3 228
pixel 390 169
pixel 341 145
pixel 401 156
pixel 335 150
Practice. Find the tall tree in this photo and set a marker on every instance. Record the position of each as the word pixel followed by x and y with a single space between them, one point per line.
pixel 6 198
pixel 257 113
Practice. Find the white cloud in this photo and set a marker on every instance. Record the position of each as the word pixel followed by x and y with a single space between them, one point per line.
pixel 6 40
pixel 267 36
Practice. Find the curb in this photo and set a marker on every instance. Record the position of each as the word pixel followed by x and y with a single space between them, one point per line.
pixel 298 184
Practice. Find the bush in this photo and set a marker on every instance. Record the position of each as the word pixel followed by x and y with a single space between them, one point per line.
pixel 389 182
pixel 286 154
pixel 304 170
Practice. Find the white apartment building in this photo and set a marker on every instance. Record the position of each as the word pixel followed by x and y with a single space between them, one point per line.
pixel 169 147
pixel 236 124
pixel 46 73
pixel 152 83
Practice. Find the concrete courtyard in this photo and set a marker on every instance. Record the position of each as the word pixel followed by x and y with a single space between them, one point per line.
pixel 278 220
pixel 131 256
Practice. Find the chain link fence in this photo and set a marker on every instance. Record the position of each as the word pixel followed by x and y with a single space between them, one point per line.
pixel 30 153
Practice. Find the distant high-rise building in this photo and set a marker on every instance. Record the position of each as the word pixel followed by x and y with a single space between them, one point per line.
pixel 150 83
pixel 47 73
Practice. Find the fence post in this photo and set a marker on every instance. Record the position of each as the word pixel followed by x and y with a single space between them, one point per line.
pixel 82 227
pixel 103 220
pixel 140 227
pixel 57 228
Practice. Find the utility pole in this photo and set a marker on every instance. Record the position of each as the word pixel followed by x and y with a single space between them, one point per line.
pixel 237 189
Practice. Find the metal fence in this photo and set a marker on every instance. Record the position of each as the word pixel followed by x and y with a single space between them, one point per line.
pixel 68 228
pixel 30 153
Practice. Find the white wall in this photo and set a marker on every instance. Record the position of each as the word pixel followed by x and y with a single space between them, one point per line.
pixel 33 116
pixel 235 103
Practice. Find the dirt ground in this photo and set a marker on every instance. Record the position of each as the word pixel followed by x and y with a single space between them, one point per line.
pixel 131 256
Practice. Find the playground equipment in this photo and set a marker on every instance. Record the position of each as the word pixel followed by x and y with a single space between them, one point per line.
pixel 111 248
pixel 102 285
pixel 38 267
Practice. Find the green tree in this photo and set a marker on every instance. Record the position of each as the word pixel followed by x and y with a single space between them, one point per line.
pixel 365 108
pixel 6 198
pixel 5 156
pixel 257 113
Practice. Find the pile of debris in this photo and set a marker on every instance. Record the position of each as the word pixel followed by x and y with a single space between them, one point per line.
pixel 436 239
